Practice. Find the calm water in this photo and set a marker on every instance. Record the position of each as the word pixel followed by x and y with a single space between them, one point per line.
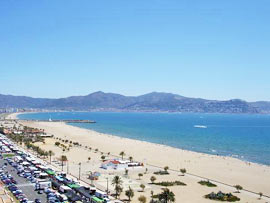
pixel 246 137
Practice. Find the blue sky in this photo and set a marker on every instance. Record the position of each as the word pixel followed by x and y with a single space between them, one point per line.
pixel 217 49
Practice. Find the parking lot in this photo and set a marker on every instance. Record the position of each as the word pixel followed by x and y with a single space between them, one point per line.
pixel 31 180
pixel 23 184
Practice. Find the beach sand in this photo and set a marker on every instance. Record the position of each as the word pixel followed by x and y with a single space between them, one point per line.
pixel 250 176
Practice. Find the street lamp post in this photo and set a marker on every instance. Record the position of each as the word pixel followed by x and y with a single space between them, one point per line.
pixel 62 163
pixel 80 170
pixel 107 185
pixel 67 167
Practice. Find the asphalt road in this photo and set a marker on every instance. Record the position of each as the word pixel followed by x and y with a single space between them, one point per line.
pixel 23 184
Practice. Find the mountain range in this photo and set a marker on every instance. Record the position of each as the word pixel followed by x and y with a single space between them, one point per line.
pixel 155 101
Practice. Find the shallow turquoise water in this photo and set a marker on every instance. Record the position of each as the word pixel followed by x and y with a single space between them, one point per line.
pixel 242 136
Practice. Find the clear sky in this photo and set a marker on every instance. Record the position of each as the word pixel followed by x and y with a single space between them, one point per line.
pixel 215 49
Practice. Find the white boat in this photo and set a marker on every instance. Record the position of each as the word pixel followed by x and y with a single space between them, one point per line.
pixel 200 126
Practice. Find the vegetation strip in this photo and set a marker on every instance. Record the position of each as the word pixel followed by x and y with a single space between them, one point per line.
pixel 168 183
pixel 224 197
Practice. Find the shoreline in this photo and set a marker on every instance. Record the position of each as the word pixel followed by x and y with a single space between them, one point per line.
pixel 168 146
pixel 15 117
pixel 224 169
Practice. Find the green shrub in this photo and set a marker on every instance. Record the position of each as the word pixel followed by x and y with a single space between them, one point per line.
pixel 207 183
pixel 224 197
pixel 168 183
pixel 161 173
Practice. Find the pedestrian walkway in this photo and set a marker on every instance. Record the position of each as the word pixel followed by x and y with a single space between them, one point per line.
pixel 4 197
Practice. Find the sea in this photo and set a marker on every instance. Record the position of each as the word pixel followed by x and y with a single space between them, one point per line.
pixel 242 136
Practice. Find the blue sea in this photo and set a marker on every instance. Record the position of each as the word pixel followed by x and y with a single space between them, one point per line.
pixel 246 137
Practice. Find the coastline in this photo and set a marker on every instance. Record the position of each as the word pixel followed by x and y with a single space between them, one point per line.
pixel 14 116
pixel 229 170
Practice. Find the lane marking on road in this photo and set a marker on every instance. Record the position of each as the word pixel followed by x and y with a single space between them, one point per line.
pixel 26 185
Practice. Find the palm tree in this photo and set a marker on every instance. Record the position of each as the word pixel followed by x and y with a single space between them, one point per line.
pixel 142 186
pixel 146 170
pixel 117 180
pixel 51 154
pixel 129 193
pixel 142 199
pixel 166 168
pixel 238 188
pixel 152 195
pixel 183 171
pixel 36 149
pixel 28 145
pixel 117 183
pixel 130 158
pixel 62 159
pixel 261 194
pixel 166 196
pixel 118 190
pixel 140 175
pixel 103 157
pixel 89 158
pixel 153 179
pixel 122 154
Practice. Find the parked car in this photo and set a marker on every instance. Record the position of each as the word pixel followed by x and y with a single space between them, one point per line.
pixel 37 201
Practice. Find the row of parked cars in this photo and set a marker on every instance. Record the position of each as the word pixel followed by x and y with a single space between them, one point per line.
pixel 33 177
pixel 57 186
pixel 11 184
pixel 33 173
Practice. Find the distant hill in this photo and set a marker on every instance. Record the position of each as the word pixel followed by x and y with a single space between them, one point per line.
pixel 154 101
pixel 263 106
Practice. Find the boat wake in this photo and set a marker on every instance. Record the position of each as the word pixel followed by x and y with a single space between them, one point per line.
pixel 200 126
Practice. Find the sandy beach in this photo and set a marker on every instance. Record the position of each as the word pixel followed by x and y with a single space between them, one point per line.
pixel 250 176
